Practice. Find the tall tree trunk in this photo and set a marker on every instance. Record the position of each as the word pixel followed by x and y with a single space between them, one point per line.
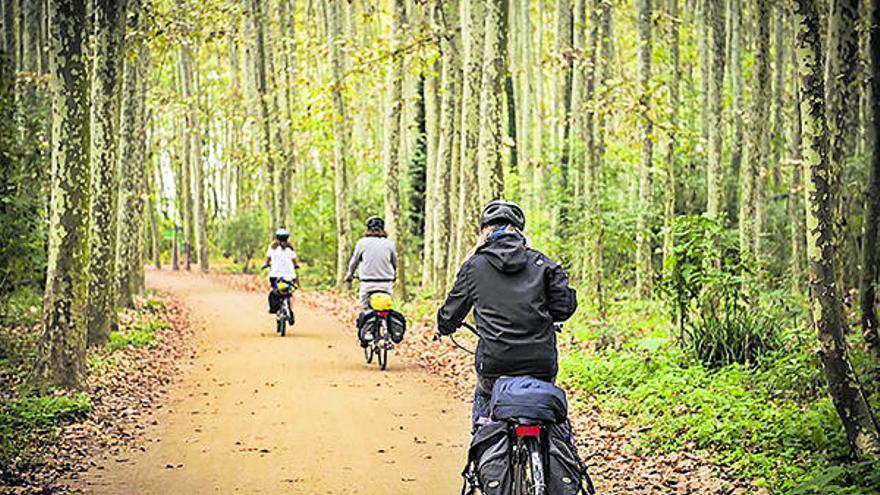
pixel 152 194
pixel 341 140
pixel 417 171
pixel 8 158
pixel 643 239
pixel 796 209
pixel 754 176
pixel 524 112
pixel 447 197
pixel 432 129
pixel 262 89
pixel 562 103
pixel 198 160
pixel 491 146
pixel 715 176
pixel 841 68
pixel 393 142
pixel 107 64
pixel 472 16
pixel 704 20
pixel 825 303
pixel 674 91
pixel 778 136
pixel 870 261
pixel 736 145
pixel 132 167
pixel 60 357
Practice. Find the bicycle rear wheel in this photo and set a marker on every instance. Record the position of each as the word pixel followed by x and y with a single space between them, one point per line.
pixel 368 352
pixel 383 354
pixel 280 324
pixel 528 469
pixel 536 466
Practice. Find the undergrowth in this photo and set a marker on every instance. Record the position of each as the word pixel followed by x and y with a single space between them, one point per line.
pixel 31 414
pixel 770 423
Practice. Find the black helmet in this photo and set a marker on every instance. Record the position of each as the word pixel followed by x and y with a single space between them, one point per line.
pixel 375 223
pixel 282 234
pixel 500 212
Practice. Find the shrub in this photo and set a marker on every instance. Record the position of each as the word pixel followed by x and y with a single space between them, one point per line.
pixel 703 280
pixel 242 236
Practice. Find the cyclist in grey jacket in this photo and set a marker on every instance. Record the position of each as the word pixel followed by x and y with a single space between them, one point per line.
pixel 375 259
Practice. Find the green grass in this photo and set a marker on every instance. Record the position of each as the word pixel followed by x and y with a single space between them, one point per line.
pixel 143 334
pixel 23 420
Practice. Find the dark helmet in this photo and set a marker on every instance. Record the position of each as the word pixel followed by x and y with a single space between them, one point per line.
pixel 500 212
pixel 282 234
pixel 375 223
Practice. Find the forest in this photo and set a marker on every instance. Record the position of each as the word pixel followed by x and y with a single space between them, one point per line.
pixel 707 171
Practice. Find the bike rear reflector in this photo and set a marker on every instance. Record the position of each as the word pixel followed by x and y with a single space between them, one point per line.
pixel 528 431
pixel 383 314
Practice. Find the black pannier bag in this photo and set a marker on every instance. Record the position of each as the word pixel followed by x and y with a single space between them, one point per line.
pixel 367 322
pixel 274 301
pixel 566 472
pixel 488 465
pixel 396 326
pixel 516 397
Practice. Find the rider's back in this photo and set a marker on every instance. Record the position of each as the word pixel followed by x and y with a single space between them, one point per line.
pixel 517 293
pixel 376 258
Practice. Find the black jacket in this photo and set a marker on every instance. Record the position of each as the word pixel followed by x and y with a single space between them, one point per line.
pixel 516 293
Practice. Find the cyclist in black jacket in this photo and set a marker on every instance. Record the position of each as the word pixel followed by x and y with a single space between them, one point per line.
pixel 517 293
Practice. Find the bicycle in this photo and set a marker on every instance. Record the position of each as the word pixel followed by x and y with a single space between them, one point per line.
pixel 527 453
pixel 379 341
pixel 284 314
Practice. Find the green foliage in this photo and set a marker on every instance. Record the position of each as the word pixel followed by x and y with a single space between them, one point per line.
pixel 731 412
pixel 21 307
pixel 703 282
pixel 23 420
pixel 242 236
pixel 141 335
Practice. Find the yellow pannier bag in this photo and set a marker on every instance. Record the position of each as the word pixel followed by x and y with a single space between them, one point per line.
pixel 381 301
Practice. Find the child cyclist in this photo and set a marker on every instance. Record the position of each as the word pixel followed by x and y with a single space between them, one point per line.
pixel 282 262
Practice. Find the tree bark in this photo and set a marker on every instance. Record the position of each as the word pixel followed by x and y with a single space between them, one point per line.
pixel 447 195
pixel 341 140
pixel 825 304
pixel 736 145
pixel 674 91
pixel 715 176
pixel 262 91
pixel 132 166
pixel 60 357
pixel 796 210
pixel 754 174
pixel 472 16
pixel 643 240
pixel 870 261
pixel 562 105
pixel 106 67
pixel 491 146
pixel 393 143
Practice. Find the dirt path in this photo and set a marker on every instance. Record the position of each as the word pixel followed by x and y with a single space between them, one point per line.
pixel 302 414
